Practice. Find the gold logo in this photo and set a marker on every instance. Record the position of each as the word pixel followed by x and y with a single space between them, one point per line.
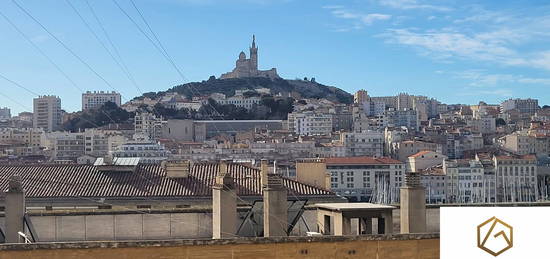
pixel 495 244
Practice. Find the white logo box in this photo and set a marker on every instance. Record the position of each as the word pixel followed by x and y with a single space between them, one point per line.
pixel 458 232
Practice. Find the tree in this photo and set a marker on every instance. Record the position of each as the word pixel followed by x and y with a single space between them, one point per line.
pixel 92 118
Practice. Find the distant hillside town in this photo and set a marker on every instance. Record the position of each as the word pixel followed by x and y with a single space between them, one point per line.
pixel 358 146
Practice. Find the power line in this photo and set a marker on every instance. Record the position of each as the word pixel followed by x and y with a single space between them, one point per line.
pixel 15 101
pixel 19 85
pixel 158 48
pixel 115 49
pixel 11 81
pixel 101 43
pixel 158 41
pixel 40 50
pixel 64 45
pixel 48 58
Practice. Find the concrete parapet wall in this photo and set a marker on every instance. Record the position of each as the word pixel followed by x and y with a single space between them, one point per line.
pixel 420 246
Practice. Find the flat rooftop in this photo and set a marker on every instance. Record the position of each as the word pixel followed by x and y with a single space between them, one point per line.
pixel 360 206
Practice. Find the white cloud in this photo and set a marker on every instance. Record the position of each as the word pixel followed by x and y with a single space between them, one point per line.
pixel 508 38
pixel 444 44
pixel 497 92
pixel 480 78
pixel 413 4
pixel 359 19
pixel 541 60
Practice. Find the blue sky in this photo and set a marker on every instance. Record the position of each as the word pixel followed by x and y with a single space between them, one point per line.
pixel 455 51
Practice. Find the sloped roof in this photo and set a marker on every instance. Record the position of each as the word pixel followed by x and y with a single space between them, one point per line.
pixel 421 153
pixel 361 160
pixel 70 181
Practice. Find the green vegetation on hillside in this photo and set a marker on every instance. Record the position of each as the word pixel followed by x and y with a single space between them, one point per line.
pixel 295 88
pixel 269 109
pixel 92 118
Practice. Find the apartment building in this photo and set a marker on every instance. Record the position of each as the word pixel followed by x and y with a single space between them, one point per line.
pixel 96 99
pixel 72 145
pixel 310 123
pixel 148 125
pixel 403 149
pixel 528 106
pixel 27 136
pixel 366 143
pixel 149 152
pixel 467 182
pixel 5 113
pixel 239 100
pixel 47 113
pixel 403 118
pixel 516 178
pixel 366 178
pixel 424 160
pixel 519 143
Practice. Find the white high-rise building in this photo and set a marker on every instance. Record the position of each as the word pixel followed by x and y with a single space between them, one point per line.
pixel 92 100
pixel 47 113
pixel 310 123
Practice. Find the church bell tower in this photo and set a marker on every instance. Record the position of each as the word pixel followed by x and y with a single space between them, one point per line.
pixel 254 54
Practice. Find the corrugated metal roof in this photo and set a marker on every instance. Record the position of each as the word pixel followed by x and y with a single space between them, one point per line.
pixel 68 181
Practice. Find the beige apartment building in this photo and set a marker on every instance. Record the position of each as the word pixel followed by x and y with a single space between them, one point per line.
pixel 47 113
pixel 356 178
pixel 423 160
pixel 96 99
pixel 403 149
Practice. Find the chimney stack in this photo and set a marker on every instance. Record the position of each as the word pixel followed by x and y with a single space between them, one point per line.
pixel 413 205
pixel 224 204
pixel 108 160
pixel 263 172
pixel 177 169
pixel 15 209
pixel 275 207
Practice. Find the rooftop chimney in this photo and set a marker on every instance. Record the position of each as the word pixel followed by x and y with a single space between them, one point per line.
pixel 263 172
pixel 413 205
pixel 275 206
pixel 177 169
pixel 15 209
pixel 224 204
pixel 108 160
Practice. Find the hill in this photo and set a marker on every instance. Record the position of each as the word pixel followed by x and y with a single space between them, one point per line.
pixel 296 88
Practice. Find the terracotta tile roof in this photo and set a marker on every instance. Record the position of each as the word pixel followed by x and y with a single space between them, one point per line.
pixel 69 181
pixel 360 160
pixel 421 153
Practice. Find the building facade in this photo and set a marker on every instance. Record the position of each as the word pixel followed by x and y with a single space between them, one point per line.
pixel 366 143
pixel 96 99
pixel 310 123
pixel 47 113
pixel 149 152
pixel 529 106
pixel 366 178
pixel 5 113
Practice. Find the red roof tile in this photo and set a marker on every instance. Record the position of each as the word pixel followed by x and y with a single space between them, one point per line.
pixel 421 153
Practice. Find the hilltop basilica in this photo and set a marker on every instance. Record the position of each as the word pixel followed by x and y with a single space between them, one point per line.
pixel 248 67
